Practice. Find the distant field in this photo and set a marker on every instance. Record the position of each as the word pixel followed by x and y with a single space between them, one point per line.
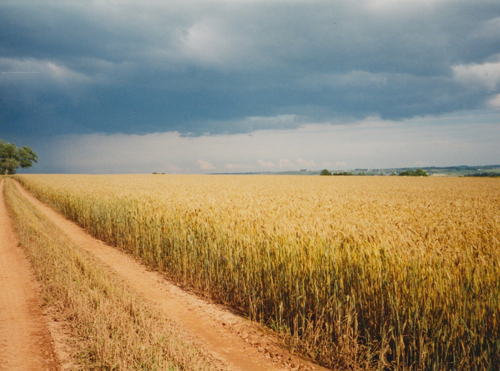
pixel 356 272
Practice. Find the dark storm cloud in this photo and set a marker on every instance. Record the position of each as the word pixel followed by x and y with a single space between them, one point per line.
pixel 223 66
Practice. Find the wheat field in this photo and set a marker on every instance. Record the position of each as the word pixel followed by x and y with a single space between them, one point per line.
pixel 354 272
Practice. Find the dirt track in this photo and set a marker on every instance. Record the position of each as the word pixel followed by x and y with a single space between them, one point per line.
pixel 25 341
pixel 233 340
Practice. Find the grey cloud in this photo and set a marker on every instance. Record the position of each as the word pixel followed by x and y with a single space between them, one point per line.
pixel 215 66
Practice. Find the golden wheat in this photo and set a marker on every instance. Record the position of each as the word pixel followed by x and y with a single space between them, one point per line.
pixel 358 272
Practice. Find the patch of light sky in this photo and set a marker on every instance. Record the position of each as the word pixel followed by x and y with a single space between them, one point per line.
pixel 368 143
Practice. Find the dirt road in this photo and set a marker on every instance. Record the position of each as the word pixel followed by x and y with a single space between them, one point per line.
pixel 237 342
pixel 25 341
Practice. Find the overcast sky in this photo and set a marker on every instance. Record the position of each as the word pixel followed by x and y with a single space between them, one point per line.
pixel 203 86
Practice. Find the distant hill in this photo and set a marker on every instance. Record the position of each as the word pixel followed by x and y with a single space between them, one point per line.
pixel 454 171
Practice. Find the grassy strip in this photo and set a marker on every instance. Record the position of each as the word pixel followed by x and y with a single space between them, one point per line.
pixel 114 329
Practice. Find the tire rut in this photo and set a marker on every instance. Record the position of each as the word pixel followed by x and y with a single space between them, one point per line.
pixel 25 340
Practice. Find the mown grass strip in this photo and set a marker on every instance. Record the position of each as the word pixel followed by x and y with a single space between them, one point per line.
pixel 112 328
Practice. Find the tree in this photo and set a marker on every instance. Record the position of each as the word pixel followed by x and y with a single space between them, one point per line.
pixel 12 157
pixel 325 172
pixel 418 172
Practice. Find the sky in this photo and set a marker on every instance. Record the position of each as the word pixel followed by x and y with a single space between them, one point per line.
pixel 217 86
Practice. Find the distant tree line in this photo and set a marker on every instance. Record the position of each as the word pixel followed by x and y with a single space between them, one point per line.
pixel 484 175
pixel 487 171
pixel 326 172
pixel 341 173
pixel 418 172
